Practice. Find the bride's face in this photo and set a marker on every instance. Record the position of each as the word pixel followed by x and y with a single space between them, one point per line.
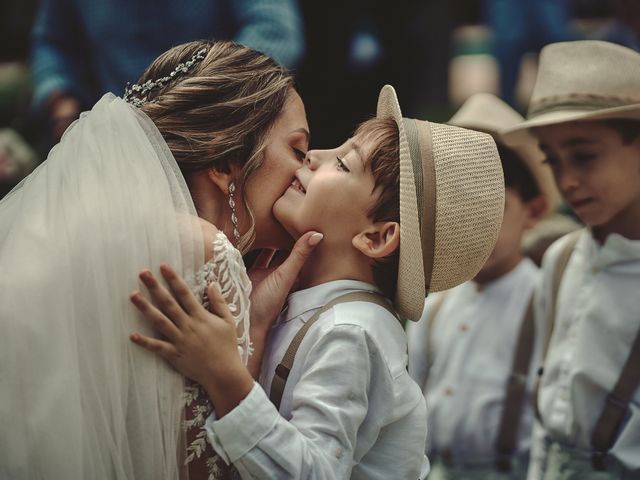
pixel 286 146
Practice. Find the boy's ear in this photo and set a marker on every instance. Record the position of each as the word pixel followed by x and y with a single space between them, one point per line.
pixel 536 210
pixel 379 240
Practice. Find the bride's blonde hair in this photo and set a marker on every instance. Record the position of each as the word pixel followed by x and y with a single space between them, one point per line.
pixel 219 112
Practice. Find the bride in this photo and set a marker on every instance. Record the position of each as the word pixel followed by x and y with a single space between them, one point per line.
pixel 212 130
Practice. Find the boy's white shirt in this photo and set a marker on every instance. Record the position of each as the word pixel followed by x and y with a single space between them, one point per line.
pixel 474 340
pixel 349 409
pixel 597 320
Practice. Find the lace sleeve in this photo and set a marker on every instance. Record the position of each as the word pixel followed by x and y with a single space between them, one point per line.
pixel 227 268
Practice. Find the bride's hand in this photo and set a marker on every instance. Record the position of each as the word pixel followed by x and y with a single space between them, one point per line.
pixel 271 285
pixel 201 345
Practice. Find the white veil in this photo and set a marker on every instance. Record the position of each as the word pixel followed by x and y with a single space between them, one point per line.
pixel 78 400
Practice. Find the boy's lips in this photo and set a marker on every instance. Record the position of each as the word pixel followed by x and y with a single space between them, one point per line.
pixel 577 204
pixel 296 185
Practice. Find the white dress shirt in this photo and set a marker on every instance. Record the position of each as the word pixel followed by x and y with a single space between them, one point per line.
pixel 597 320
pixel 349 409
pixel 474 340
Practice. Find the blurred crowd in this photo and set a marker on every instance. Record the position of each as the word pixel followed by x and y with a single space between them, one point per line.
pixel 57 57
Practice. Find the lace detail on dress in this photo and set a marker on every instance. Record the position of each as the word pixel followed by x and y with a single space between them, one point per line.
pixel 227 268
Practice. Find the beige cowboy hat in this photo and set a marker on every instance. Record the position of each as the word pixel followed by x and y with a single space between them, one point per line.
pixel 487 113
pixel 584 80
pixel 451 204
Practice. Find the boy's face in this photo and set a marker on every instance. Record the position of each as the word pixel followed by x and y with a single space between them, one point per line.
pixel 518 217
pixel 597 174
pixel 331 193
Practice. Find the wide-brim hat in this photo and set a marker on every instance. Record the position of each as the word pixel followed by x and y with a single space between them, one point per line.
pixel 451 204
pixel 489 114
pixel 582 81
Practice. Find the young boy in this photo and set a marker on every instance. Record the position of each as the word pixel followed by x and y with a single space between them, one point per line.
pixel 469 337
pixel 405 207
pixel 585 113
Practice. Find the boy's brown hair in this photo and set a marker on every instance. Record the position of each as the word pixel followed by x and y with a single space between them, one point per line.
pixel 384 163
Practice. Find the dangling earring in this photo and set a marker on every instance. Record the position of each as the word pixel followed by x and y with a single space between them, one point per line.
pixel 234 218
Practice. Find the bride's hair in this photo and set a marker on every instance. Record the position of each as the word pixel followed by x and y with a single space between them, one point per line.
pixel 219 112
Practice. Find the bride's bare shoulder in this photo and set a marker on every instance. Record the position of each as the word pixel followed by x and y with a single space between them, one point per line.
pixel 209 231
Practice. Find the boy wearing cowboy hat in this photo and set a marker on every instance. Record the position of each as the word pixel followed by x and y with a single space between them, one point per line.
pixel 473 340
pixel 585 113
pixel 405 207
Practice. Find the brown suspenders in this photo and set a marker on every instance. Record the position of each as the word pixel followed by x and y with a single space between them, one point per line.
pixel 561 265
pixel 516 384
pixel 516 392
pixel 284 367
pixel 606 429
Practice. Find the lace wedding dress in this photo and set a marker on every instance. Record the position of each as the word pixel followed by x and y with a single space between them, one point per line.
pixel 227 268
pixel 78 400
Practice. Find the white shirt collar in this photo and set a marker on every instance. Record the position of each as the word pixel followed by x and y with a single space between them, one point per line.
pixel 316 297
pixel 615 249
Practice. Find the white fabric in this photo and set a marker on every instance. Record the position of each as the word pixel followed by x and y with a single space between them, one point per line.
pixel 349 410
pixel 474 340
pixel 225 267
pixel 597 320
pixel 78 400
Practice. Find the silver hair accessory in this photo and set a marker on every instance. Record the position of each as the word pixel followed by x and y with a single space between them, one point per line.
pixel 137 95
pixel 234 218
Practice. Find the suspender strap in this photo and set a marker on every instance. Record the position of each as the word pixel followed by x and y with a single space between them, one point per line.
pixel 284 367
pixel 515 395
pixel 606 430
pixel 561 265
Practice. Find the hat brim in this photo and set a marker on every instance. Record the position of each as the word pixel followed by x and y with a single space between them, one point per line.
pixel 411 290
pixel 627 112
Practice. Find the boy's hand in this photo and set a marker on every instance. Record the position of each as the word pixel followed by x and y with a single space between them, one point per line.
pixel 199 344
pixel 271 286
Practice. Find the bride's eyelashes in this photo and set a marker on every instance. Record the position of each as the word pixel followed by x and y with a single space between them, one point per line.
pixel 300 154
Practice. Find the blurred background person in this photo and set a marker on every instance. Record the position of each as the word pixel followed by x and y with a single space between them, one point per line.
pixel 521 26
pixel 624 27
pixel 473 350
pixel 82 49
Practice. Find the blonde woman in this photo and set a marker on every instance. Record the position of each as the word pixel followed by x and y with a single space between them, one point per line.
pixel 212 130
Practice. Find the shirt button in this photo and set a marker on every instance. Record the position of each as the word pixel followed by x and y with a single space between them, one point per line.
pixel 463 328
pixel 339 452
pixel 448 391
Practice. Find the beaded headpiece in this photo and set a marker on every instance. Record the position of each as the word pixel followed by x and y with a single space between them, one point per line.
pixel 137 95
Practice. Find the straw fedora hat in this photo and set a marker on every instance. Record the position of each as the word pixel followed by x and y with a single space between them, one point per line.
pixel 584 80
pixel 489 114
pixel 451 204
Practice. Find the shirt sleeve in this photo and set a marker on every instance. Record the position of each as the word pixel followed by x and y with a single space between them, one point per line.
pixel 273 27
pixel 56 61
pixel 330 403
pixel 417 344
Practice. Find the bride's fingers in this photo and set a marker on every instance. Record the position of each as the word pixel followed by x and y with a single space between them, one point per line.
pixel 180 290
pixel 163 299
pixel 287 273
pixel 218 304
pixel 158 320
pixel 164 349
